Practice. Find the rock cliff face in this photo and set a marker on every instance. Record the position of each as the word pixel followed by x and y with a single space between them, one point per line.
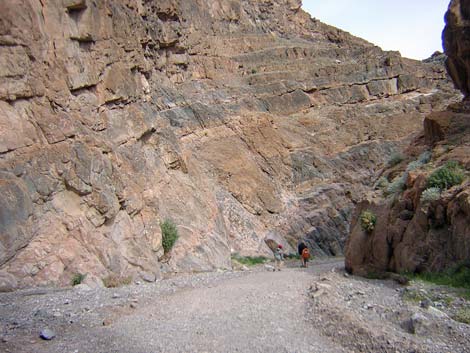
pixel 235 119
pixel 455 38
pixel 420 230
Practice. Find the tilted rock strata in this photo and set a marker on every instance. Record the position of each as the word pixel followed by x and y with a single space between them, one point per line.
pixel 234 119
pixel 413 234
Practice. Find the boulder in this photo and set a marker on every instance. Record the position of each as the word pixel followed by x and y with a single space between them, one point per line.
pixel 456 40
pixel 8 282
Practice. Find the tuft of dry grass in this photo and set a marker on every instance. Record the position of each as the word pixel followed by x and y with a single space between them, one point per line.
pixel 463 315
pixel 113 281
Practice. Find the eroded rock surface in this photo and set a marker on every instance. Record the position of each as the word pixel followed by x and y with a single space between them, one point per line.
pixel 415 233
pixel 456 41
pixel 234 119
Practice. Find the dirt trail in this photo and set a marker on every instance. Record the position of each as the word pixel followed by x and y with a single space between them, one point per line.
pixel 257 311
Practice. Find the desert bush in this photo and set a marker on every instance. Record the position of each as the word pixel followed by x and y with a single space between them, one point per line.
pixel 77 278
pixel 457 276
pixel 169 234
pixel 463 315
pixel 368 220
pixel 425 157
pixel 295 256
pixel 397 185
pixel 413 166
pixel 249 260
pixel 447 176
pixel 414 295
pixel 382 183
pixel 431 194
pixel 395 159
pixel 113 281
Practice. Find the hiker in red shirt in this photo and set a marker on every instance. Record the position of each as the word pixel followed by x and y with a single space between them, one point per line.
pixel 304 253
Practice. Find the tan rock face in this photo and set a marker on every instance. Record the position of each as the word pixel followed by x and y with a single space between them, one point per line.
pixel 234 119
pixel 412 233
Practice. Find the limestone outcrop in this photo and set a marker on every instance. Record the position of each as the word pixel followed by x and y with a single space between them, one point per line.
pixel 232 118
pixel 423 226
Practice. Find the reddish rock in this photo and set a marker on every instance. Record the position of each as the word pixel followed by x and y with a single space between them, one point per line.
pixel 233 119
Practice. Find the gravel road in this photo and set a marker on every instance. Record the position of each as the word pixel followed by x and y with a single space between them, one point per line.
pixel 253 311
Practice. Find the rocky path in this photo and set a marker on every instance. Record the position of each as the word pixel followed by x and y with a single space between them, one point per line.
pixel 320 309
pixel 257 311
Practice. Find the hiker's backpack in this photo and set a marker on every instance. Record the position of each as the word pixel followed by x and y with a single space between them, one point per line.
pixel 305 254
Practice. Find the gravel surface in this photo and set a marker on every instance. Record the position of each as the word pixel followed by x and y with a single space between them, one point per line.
pixel 295 310
pixel 366 315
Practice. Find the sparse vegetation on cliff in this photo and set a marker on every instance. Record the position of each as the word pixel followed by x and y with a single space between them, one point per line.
pixel 368 221
pixel 447 176
pixel 397 185
pixel 395 159
pixel 169 234
pixel 382 183
pixel 430 194
pixel 77 278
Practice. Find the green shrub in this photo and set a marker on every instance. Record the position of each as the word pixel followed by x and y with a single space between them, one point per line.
pixel 382 183
pixel 413 166
pixel 414 295
pixel 169 234
pixel 397 185
pixel 295 256
pixel 113 281
pixel 463 315
pixel 395 159
pixel 249 260
pixel 425 157
pixel 368 220
pixel 77 278
pixel 447 176
pixel 457 276
pixel 254 71
pixel 430 194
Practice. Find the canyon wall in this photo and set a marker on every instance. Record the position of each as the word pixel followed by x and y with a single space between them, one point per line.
pixel 235 119
pixel 419 228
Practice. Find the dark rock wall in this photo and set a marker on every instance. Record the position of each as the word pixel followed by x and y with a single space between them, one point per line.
pixel 456 41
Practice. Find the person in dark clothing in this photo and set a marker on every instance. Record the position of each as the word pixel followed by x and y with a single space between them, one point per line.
pixel 301 247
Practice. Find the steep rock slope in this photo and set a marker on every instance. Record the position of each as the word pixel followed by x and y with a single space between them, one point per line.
pixel 419 228
pixel 235 119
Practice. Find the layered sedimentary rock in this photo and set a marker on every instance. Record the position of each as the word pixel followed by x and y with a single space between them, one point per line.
pixel 414 233
pixel 232 118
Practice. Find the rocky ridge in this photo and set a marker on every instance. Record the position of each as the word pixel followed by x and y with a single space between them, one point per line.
pixel 415 233
pixel 234 119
